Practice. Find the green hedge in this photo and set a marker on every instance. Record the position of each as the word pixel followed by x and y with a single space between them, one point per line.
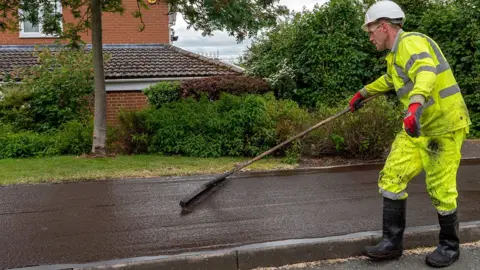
pixel 73 138
pixel 162 93
pixel 367 133
pixel 56 91
pixel 250 124
pixel 232 126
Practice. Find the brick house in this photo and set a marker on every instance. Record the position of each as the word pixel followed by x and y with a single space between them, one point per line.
pixel 138 59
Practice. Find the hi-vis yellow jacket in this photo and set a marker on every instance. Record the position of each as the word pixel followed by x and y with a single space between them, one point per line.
pixel 419 72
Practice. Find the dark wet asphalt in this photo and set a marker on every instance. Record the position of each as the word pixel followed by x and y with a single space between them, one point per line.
pixel 87 222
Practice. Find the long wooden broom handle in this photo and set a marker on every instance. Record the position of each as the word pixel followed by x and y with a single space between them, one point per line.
pixel 303 133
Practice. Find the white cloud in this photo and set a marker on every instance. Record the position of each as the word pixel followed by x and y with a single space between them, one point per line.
pixel 221 42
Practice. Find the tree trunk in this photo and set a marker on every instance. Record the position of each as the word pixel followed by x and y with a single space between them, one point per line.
pixel 100 120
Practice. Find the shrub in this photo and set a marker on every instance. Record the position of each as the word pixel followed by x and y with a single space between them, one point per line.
pixel 25 144
pixel 15 106
pixel 289 120
pixel 162 93
pixel 131 136
pixel 73 138
pixel 55 91
pixel 231 84
pixel 232 126
pixel 251 124
pixel 367 133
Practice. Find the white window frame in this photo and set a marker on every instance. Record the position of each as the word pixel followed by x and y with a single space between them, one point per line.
pixel 40 33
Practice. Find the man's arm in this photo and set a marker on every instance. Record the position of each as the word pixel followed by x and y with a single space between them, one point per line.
pixel 380 85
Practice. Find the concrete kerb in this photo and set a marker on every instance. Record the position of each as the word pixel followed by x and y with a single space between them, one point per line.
pixel 343 246
pixel 279 253
pixel 202 261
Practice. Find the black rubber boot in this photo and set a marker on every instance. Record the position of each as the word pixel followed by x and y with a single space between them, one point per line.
pixel 448 251
pixel 391 246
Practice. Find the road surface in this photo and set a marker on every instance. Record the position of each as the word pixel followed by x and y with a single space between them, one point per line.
pixel 96 221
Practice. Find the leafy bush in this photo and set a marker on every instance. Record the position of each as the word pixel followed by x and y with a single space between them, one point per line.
pixel 162 93
pixel 367 133
pixel 73 138
pixel 289 120
pixel 232 126
pixel 214 86
pixel 55 91
pixel 15 106
pixel 251 124
pixel 25 144
pixel 131 136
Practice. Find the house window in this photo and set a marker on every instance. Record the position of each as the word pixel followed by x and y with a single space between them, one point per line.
pixel 29 30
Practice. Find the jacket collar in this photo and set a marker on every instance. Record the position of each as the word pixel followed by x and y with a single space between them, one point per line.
pixel 397 40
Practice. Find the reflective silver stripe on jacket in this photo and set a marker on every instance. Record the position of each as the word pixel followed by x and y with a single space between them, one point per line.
pixel 389 84
pixel 442 66
pixel 401 73
pixel 414 58
pixel 449 91
pixel 405 89
pixel 442 62
pixel 429 103
pixel 427 68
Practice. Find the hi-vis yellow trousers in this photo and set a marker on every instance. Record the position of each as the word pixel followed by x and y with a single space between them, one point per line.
pixel 438 156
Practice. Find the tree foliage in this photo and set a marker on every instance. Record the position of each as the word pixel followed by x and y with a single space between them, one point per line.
pixel 455 26
pixel 324 56
pixel 240 18
pixel 56 91
pixel 318 55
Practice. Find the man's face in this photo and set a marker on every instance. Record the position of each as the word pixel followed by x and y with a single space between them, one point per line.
pixel 378 35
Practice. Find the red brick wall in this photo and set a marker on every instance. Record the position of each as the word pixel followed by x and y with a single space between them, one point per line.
pixel 117 29
pixel 128 100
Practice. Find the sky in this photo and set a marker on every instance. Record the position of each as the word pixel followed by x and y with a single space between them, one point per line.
pixel 223 44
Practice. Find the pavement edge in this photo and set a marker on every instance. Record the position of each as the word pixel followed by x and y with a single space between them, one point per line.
pixel 280 253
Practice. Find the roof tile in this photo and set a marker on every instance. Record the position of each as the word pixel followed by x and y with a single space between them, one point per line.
pixel 134 61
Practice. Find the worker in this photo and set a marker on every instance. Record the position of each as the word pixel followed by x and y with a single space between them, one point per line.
pixel 434 127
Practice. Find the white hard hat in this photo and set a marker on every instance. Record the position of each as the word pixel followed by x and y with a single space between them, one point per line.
pixel 383 9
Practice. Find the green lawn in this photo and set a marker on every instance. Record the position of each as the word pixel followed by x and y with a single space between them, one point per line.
pixel 72 168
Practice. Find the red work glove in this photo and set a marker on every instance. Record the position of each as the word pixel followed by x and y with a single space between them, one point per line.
pixel 412 119
pixel 355 102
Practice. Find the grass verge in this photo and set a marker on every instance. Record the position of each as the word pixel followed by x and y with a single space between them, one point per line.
pixel 72 168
